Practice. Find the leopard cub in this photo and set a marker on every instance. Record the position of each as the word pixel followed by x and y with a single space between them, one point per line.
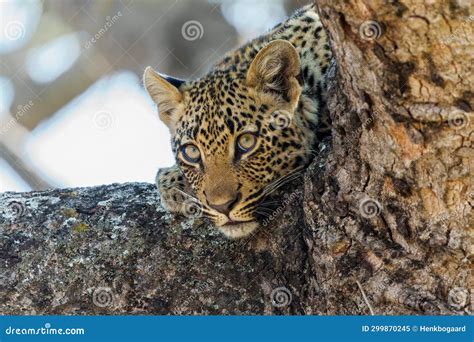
pixel 247 126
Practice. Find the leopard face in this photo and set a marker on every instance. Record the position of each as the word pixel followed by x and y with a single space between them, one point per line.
pixel 237 135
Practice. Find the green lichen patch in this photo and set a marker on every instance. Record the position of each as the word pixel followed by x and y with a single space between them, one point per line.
pixel 80 228
pixel 70 212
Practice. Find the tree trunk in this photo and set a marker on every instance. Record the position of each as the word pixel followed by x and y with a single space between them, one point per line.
pixel 381 222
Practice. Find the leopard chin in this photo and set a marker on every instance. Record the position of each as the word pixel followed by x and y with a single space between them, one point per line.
pixel 237 230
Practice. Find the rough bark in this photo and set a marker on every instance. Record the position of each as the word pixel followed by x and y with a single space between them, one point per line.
pixel 381 223
pixel 398 188
pixel 113 249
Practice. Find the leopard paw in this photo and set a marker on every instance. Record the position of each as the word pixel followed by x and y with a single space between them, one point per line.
pixel 175 193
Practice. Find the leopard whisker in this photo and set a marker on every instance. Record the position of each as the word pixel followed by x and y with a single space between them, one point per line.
pixel 264 209
pixel 302 151
pixel 268 201
pixel 264 214
pixel 283 180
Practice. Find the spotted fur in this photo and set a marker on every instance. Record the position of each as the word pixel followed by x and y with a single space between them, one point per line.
pixel 271 87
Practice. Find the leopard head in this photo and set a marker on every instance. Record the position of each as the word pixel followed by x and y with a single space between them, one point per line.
pixel 237 133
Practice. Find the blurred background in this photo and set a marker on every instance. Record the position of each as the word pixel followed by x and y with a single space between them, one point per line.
pixel 73 111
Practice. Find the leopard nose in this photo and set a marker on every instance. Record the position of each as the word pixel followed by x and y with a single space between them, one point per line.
pixel 225 208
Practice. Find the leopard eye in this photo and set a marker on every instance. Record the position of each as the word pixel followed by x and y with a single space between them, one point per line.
pixel 246 142
pixel 191 153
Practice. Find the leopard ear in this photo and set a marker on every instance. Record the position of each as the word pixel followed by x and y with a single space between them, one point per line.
pixel 166 94
pixel 275 70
